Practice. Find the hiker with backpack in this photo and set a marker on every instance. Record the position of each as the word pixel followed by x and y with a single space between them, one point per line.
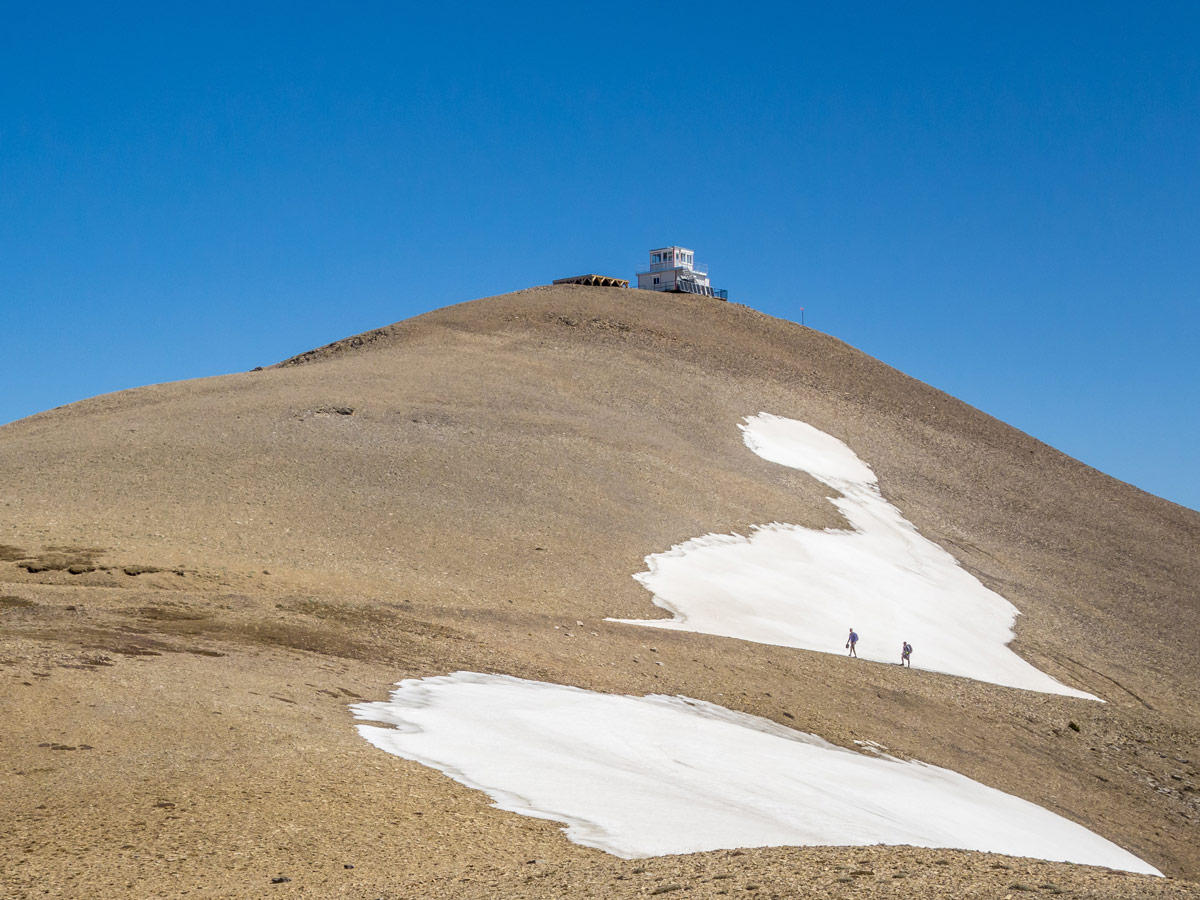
pixel 851 643
pixel 905 653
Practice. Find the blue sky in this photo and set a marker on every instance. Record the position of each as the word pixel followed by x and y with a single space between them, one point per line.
pixel 1004 202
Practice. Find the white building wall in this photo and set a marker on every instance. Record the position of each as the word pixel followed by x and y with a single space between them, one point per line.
pixel 666 280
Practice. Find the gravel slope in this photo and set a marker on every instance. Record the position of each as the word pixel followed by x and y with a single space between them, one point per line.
pixel 458 492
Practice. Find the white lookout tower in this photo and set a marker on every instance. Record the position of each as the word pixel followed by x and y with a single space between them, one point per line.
pixel 674 269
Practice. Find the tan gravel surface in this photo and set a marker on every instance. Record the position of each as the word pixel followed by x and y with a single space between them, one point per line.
pixel 197 579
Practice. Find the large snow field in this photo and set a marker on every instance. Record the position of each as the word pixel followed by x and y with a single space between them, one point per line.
pixel 800 587
pixel 647 776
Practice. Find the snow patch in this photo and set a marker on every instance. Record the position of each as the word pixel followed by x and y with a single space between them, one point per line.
pixel 656 775
pixel 799 587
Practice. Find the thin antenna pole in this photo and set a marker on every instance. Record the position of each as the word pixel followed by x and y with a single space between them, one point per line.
pixel 802 317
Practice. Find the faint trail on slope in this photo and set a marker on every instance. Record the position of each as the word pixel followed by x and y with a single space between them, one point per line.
pixel 1134 695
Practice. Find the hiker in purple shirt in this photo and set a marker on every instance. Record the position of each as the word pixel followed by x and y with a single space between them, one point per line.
pixel 852 642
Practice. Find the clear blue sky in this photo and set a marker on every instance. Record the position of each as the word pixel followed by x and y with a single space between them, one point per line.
pixel 1004 203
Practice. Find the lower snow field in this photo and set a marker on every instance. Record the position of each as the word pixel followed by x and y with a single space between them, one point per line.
pixel 798 587
pixel 656 775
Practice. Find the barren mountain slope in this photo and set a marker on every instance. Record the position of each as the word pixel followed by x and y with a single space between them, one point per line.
pixel 458 491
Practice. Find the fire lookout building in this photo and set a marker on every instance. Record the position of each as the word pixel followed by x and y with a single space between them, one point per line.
pixel 674 269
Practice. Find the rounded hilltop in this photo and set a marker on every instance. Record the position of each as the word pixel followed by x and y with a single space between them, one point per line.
pixel 200 577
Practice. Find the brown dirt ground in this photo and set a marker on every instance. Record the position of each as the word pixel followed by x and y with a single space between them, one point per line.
pixel 197 579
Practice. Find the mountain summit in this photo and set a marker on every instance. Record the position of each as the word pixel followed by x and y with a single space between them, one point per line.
pixel 201 578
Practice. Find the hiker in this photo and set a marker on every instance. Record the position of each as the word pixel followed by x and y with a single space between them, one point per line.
pixel 851 643
pixel 905 653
